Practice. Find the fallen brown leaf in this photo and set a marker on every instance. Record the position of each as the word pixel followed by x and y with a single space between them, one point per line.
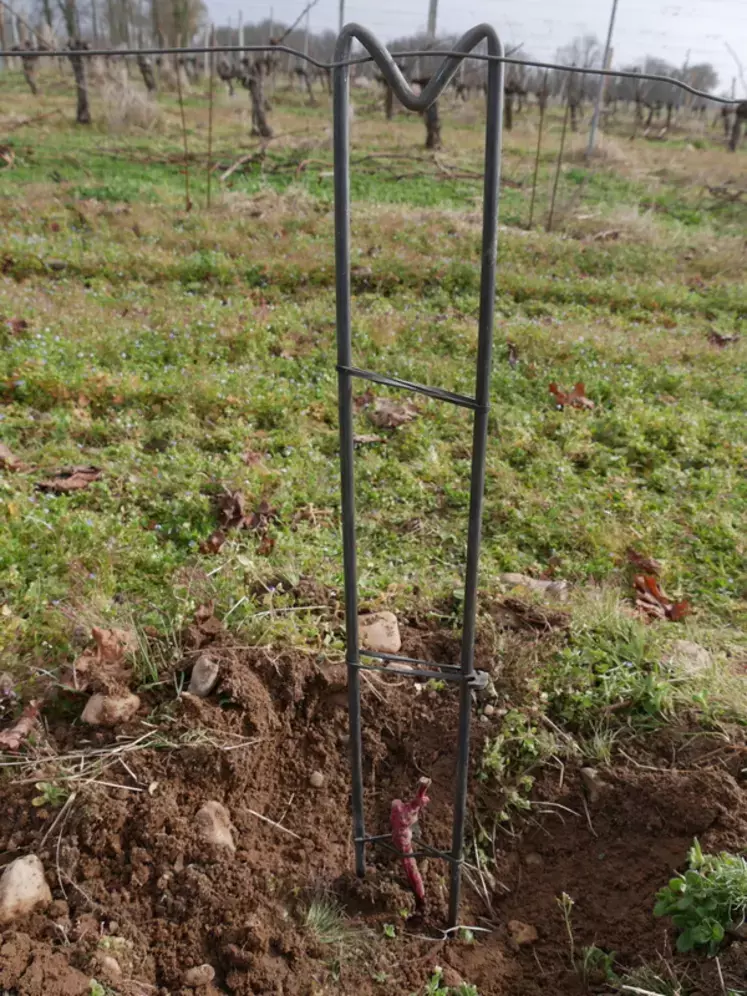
pixel 513 354
pixel 642 563
pixel 251 457
pixel 652 600
pixel 17 325
pixel 717 339
pixel 75 479
pixel 266 545
pixel 388 414
pixel 12 738
pixel 214 542
pixel 575 398
pixel 361 400
pixel 9 461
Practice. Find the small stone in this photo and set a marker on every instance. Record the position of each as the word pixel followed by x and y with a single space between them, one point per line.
pixel 592 783
pixel 201 975
pixel 689 658
pixel 109 967
pixel 380 631
pixel 57 264
pixel 316 779
pixel 214 823
pixel 110 710
pixel 534 860
pixel 484 719
pixel 555 590
pixel 489 710
pixel 522 933
pixel 204 676
pixel 22 888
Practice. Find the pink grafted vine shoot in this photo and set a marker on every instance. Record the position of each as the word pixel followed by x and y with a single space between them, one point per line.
pixel 403 818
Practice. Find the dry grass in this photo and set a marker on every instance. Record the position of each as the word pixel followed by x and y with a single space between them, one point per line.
pixel 127 108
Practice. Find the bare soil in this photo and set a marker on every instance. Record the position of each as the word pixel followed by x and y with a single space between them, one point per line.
pixel 133 880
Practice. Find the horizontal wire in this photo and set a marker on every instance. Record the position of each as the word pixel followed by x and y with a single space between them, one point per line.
pixel 361 59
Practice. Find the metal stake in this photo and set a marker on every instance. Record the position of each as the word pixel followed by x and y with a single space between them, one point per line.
pixel 465 674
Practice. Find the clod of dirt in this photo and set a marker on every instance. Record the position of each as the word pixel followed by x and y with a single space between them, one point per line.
pixel 689 658
pixel 214 824
pixel 22 888
pixel 110 710
pixel 316 779
pixel 533 860
pixel 201 975
pixel 204 676
pixel 592 783
pixel 108 967
pixel 522 933
pixel 380 632
pixel 555 590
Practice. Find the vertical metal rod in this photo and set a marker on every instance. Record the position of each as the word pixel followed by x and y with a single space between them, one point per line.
pixel 493 136
pixel 211 95
pixel 551 215
pixel 602 82
pixel 543 102
pixel 345 402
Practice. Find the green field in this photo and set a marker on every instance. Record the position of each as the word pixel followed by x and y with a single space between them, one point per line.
pixel 186 354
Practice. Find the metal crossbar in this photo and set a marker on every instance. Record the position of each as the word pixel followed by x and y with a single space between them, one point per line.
pixel 465 673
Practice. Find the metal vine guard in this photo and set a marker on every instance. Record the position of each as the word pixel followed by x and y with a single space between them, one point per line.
pixel 464 673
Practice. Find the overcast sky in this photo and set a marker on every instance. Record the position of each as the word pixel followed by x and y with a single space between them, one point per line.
pixel 669 28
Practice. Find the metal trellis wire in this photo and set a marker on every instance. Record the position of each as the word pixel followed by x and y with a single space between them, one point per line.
pixel 464 673
pixel 356 60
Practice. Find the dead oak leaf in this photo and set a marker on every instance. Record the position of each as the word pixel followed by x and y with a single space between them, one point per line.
pixel 388 414
pixel 12 738
pixel 74 479
pixel 642 563
pixel 9 461
pixel 214 542
pixel 652 600
pixel 717 339
pixel 266 545
pixel 576 398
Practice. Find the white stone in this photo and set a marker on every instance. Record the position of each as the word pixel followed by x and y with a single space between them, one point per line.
pixel 689 657
pixel 204 677
pixel 522 933
pixel 316 779
pixel 556 590
pixel 489 709
pixel 380 631
pixel 214 823
pixel 201 975
pixel 22 888
pixel 110 710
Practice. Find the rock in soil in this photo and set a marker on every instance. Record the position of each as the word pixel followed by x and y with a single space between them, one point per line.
pixel 592 783
pixel 689 658
pixel 109 968
pixel 522 933
pixel 110 710
pixel 214 823
pixel 556 590
pixel 202 975
pixel 380 631
pixel 204 676
pixel 22 888
pixel 316 779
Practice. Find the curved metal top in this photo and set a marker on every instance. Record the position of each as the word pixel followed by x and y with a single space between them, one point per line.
pixel 391 72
